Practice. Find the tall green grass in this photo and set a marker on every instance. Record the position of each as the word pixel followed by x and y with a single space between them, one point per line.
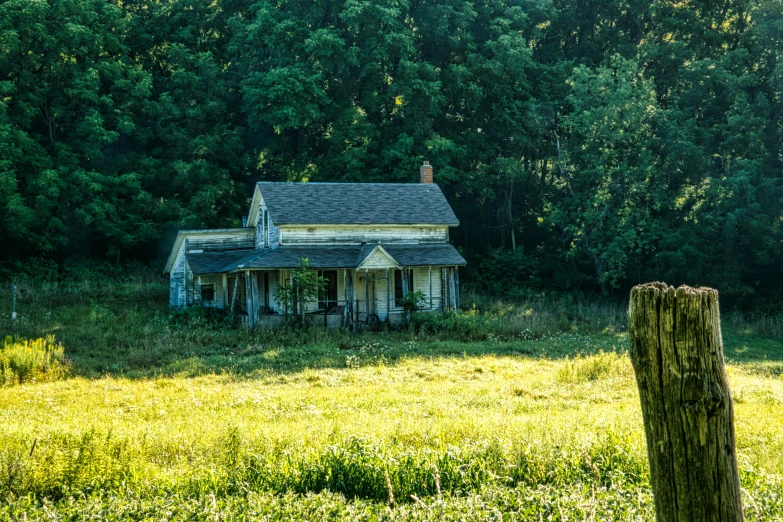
pixel 37 360
pixel 581 369
pixel 523 409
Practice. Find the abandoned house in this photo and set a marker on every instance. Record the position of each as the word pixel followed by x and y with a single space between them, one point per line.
pixel 371 242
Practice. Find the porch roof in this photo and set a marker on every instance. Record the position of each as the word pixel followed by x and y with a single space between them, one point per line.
pixel 214 262
pixel 425 255
pixel 343 256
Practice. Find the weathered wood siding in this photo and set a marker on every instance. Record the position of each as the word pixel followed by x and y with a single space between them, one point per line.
pixel 178 281
pixel 377 260
pixel 274 232
pixel 378 287
pixel 356 234
pixel 220 242
pixel 189 290
pixel 216 280
pixel 341 285
pixel 182 290
pixel 421 281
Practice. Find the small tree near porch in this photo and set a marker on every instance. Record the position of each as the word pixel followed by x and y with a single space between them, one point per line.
pixel 304 286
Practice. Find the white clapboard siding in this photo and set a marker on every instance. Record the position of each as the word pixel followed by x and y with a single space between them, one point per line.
pixel 421 281
pixel 381 303
pixel 357 234
pixel 220 242
pixel 378 259
pixel 378 280
pixel 340 285
pixel 178 281
pixel 217 281
pixel 274 232
pixel 189 291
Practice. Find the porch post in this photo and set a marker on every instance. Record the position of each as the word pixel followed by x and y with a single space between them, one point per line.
pixel 225 291
pixel 452 288
pixel 456 286
pixel 348 319
pixel 236 291
pixel 388 310
pixel 444 289
pixel 254 287
pixel 367 293
pixel 249 299
pixel 404 273
pixel 197 297
pixel 430 287
pixel 185 274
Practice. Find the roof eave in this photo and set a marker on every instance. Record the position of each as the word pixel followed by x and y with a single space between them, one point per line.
pixel 204 231
pixel 316 225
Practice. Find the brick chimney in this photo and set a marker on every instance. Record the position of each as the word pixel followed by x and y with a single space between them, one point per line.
pixel 426 172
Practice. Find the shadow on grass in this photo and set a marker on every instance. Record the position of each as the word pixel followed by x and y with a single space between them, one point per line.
pixel 136 339
pixel 142 343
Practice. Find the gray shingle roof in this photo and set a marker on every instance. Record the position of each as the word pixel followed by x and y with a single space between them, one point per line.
pixel 215 262
pixel 347 256
pixel 288 257
pixel 424 255
pixel 357 204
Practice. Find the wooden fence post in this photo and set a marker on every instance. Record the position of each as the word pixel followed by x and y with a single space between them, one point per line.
pixel 677 355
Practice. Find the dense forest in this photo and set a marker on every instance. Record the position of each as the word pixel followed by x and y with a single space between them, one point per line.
pixel 584 144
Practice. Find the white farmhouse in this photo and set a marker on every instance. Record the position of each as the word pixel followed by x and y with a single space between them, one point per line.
pixel 371 242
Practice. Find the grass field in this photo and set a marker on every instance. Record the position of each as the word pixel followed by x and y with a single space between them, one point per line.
pixel 506 412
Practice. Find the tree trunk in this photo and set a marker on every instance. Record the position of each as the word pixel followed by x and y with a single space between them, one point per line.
pixel 510 215
pixel 677 355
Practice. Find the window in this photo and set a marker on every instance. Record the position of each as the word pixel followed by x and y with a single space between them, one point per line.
pixel 208 293
pixel 398 285
pixel 266 228
pixel 328 296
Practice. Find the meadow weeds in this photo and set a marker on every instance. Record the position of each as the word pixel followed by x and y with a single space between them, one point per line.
pixel 523 410
pixel 581 369
pixel 38 360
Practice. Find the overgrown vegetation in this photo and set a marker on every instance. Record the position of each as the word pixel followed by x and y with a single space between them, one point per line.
pixel 304 286
pixel 583 146
pixel 180 415
pixel 38 360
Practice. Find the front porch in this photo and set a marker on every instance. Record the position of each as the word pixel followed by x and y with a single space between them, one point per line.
pixel 353 297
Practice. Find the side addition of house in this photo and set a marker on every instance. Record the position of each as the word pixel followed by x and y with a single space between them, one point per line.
pixel 372 243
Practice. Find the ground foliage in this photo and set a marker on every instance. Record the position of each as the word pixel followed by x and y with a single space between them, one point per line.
pixel 582 145
pixel 508 410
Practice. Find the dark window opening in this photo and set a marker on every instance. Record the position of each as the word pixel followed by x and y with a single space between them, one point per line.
pixel 328 296
pixel 398 285
pixel 207 293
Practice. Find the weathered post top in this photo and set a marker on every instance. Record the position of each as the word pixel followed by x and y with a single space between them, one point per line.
pixel 677 355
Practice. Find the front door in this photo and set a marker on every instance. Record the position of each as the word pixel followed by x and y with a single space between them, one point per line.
pixel 373 304
pixel 328 297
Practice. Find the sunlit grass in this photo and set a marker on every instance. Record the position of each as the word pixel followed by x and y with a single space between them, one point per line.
pixel 201 423
pixel 37 360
